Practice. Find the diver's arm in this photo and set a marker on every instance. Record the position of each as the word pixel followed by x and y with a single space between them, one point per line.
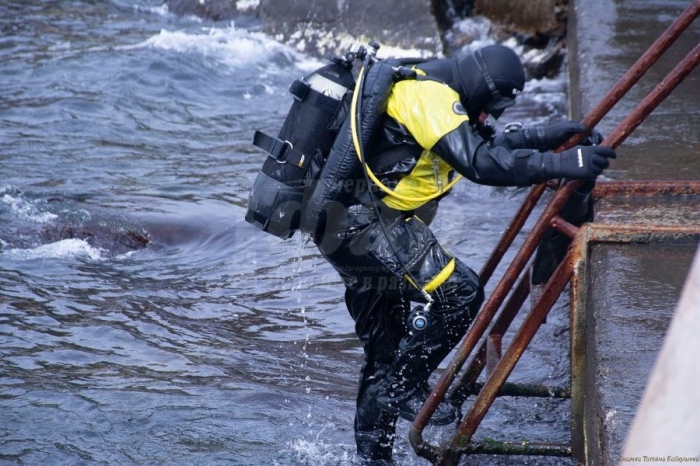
pixel 436 119
pixel 433 115
pixel 484 163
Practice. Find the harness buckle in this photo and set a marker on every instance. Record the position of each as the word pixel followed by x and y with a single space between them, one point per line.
pixel 279 149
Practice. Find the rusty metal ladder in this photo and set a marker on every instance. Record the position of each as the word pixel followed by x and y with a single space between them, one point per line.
pixel 515 283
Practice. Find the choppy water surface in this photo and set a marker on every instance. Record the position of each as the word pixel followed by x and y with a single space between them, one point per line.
pixel 142 321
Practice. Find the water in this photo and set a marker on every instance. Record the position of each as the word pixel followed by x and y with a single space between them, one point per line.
pixel 631 330
pixel 612 36
pixel 142 320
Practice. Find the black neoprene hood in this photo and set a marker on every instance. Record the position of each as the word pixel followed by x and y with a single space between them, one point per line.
pixel 489 80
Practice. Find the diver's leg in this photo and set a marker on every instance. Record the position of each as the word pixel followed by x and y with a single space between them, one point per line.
pixel 379 325
pixel 456 302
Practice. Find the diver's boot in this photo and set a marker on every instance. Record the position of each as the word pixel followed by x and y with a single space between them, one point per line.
pixel 405 388
pixel 374 448
pixel 399 398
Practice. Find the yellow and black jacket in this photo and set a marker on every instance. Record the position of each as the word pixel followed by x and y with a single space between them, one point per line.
pixel 431 113
pixel 418 137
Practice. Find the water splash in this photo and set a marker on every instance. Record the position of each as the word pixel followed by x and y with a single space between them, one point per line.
pixel 56 227
pixel 230 46
pixel 24 208
pixel 302 284
pixel 317 452
pixel 63 249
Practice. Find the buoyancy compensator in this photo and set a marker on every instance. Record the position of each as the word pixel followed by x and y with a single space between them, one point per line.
pixel 296 156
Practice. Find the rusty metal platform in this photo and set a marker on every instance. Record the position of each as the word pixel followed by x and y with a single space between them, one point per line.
pixel 646 213
pixel 628 268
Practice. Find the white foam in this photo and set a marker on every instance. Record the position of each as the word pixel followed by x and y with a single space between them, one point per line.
pixel 247 5
pixel 66 248
pixel 318 452
pixel 386 51
pixel 26 210
pixel 476 29
pixel 541 89
pixel 160 10
pixel 228 45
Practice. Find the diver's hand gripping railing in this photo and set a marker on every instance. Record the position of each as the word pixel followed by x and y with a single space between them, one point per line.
pixel 548 219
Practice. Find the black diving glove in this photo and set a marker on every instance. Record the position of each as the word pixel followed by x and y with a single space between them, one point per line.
pixel 544 138
pixel 593 139
pixel 552 136
pixel 579 162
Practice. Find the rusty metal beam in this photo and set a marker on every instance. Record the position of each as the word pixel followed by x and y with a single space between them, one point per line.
pixel 495 447
pixel 654 98
pixel 646 188
pixel 640 67
pixel 485 316
pixel 494 349
pixel 641 233
pixel 564 227
pixel 462 389
pixel 495 385
pixel 525 390
pixel 511 232
pixel 489 310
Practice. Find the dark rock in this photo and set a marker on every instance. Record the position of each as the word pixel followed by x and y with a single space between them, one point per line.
pixel 109 236
pixel 549 63
pixel 526 16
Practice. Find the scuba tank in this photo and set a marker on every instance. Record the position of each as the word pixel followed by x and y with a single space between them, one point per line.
pixel 295 157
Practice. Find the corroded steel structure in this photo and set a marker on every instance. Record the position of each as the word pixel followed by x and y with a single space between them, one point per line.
pixel 484 335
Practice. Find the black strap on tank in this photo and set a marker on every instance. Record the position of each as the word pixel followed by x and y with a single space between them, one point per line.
pixel 299 88
pixel 281 151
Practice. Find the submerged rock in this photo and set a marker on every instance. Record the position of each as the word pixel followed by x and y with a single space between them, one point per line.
pixel 332 26
pixel 112 238
pixel 540 17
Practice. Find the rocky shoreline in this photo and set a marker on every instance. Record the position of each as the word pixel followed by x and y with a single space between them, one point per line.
pixel 425 27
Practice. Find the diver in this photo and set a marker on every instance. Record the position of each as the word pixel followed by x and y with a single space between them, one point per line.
pixel 411 300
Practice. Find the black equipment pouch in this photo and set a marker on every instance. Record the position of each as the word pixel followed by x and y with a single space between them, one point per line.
pixel 401 248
